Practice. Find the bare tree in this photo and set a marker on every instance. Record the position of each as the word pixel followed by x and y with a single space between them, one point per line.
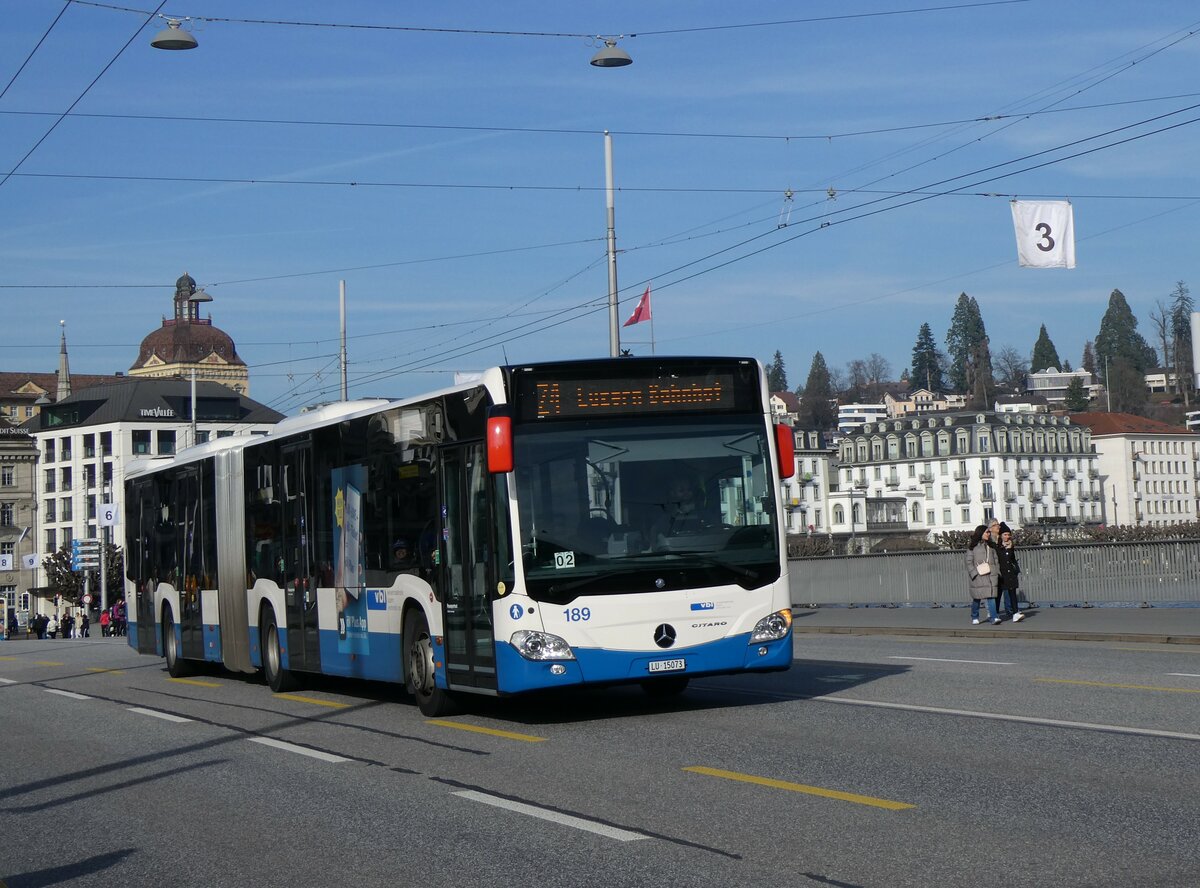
pixel 1011 369
pixel 879 371
pixel 1161 316
pixel 837 381
pixel 857 378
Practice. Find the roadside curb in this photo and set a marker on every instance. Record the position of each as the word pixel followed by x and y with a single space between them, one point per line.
pixel 1009 633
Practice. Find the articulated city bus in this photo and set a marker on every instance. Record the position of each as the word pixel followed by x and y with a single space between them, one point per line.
pixel 543 526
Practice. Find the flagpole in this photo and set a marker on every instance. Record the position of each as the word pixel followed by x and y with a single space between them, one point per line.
pixel 652 349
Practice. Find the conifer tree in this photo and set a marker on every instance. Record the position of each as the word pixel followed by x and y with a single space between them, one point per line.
pixel 776 374
pixel 1045 355
pixel 1119 340
pixel 926 369
pixel 962 339
pixel 816 409
pixel 1077 395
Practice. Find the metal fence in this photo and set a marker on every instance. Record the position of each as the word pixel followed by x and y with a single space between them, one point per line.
pixel 1160 573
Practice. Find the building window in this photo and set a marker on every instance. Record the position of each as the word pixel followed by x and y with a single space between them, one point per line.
pixel 930 516
pixel 946 519
pixel 6 514
pixel 51 543
pixel 7 476
pixel 89 446
pixel 966 516
pixel 106 443
pixel 49 510
pixel 48 453
pixel 66 478
pixel 166 442
pixel 65 508
pixel 141 442
pixel 839 515
pixel 48 484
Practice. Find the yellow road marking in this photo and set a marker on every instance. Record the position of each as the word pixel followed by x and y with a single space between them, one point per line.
pixel 8 658
pixel 48 663
pixel 1130 687
pixel 195 681
pixel 112 671
pixel 800 787
pixel 510 735
pixel 910 639
pixel 330 703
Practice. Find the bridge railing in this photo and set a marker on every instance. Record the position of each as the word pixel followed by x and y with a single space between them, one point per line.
pixel 1158 573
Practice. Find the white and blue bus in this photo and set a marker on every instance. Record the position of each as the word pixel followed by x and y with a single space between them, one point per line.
pixel 543 526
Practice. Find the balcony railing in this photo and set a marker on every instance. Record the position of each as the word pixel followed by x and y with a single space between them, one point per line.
pixel 1022 474
pixel 988 497
pixel 1060 497
pixel 926 477
pixel 1010 497
pixel 987 473
pixel 860 485
pixel 961 499
pixel 892 482
pixel 1093 474
pixel 1069 474
pixel 1046 474
pixel 1035 495
pixel 887 525
pixel 961 475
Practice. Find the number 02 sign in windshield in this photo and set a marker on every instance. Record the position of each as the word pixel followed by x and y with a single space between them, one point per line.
pixel 600 397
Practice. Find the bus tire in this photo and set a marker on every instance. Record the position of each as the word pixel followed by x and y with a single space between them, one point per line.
pixel 662 688
pixel 433 701
pixel 177 666
pixel 278 679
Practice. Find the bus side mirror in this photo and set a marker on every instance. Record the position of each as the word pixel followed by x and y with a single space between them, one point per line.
pixel 785 446
pixel 499 444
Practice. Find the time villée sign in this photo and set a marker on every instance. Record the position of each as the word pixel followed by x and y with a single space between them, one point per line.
pixel 157 413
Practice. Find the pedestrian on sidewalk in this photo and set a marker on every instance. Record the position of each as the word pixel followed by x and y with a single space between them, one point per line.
pixel 1010 570
pixel 983 570
pixel 104 621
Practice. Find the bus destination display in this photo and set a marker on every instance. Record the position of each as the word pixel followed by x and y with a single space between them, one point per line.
pixel 600 397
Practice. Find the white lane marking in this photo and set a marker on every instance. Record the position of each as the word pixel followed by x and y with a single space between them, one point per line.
pixel 70 694
pixel 591 826
pixel 8 681
pixel 1024 719
pixel 946 660
pixel 299 750
pixel 1185 674
pixel 165 716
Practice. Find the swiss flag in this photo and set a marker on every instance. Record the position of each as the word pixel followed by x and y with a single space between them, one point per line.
pixel 642 312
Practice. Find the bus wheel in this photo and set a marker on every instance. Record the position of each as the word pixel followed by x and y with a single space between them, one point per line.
pixel 661 688
pixel 278 678
pixel 177 666
pixel 418 674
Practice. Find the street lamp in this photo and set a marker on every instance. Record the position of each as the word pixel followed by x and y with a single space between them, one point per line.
pixel 174 37
pixel 611 55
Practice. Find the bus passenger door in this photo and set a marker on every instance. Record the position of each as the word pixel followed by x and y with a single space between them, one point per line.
pixel 300 589
pixel 466 536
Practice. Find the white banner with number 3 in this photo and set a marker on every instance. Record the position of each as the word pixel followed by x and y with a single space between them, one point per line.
pixel 1045 233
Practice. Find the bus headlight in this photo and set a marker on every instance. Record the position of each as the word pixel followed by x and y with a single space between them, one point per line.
pixel 772 627
pixel 541 646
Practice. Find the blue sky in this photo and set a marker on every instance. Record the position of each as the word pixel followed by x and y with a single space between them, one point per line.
pixel 476 230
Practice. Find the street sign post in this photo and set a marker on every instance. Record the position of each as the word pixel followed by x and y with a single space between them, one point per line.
pixel 85 554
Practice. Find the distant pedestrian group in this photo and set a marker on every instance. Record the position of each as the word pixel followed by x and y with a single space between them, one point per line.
pixel 994 572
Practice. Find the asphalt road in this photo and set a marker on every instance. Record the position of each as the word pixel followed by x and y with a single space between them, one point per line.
pixel 876 761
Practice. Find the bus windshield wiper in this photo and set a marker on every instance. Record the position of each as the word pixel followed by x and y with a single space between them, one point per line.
pixel 709 561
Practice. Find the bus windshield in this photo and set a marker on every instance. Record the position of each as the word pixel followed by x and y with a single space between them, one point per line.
pixel 645 504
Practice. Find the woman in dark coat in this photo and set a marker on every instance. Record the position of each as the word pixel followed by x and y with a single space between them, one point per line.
pixel 1010 570
pixel 983 568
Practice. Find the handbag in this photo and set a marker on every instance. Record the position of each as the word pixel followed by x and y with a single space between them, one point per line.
pixel 983 569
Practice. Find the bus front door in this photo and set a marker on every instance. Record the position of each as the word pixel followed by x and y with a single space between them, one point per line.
pixel 466 553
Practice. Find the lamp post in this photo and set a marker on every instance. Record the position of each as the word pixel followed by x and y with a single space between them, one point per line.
pixel 614 332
